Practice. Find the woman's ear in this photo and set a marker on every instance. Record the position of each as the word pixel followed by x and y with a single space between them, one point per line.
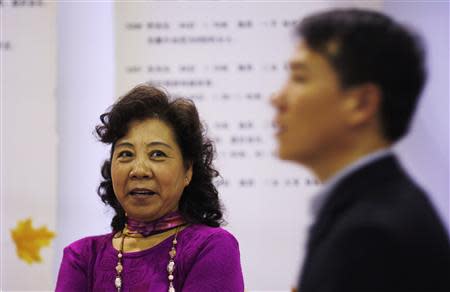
pixel 188 176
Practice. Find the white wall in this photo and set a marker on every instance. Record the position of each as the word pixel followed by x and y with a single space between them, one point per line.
pixel 85 90
pixel 28 143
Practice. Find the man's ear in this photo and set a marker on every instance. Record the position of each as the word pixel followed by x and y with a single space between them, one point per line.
pixel 362 104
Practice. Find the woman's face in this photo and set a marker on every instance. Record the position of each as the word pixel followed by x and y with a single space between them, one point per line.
pixel 148 172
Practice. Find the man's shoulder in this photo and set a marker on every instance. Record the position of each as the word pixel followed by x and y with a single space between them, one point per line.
pixel 382 195
pixel 396 206
pixel 380 183
pixel 384 172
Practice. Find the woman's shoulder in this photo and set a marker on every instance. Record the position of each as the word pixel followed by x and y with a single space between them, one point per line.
pixel 200 235
pixel 211 251
pixel 89 244
pixel 204 231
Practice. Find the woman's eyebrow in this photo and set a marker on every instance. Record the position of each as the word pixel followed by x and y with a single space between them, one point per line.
pixel 159 143
pixel 124 144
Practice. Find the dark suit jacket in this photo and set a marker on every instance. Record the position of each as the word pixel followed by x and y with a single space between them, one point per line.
pixel 377 231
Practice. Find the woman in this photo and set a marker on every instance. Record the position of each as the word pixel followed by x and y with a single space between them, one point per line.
pixel 165 232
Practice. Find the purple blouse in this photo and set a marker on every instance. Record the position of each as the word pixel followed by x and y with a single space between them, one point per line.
pixel 207 260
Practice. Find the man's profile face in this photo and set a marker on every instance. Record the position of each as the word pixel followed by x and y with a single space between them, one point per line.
pixel 310 109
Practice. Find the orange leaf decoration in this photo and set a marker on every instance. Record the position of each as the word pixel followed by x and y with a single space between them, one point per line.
pixel 29 241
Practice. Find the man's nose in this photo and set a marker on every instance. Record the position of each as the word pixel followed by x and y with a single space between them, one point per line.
pixel 277 99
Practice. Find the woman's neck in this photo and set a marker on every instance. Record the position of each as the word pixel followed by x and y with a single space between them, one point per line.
pixel 140 243
pixel 147 228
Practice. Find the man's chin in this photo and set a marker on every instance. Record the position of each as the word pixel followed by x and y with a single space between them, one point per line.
pixel 284 154
pixel 292 156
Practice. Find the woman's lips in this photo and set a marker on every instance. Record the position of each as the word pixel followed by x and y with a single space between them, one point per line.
pixel 141 192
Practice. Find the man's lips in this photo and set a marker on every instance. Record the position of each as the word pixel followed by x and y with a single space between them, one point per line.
pixel 279 128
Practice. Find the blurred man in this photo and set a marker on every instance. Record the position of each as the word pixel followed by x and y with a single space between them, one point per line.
pixel 355 79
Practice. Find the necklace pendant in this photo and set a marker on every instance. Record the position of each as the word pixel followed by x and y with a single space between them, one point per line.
pixel 118 283
pixel 171 266
pixel 171 288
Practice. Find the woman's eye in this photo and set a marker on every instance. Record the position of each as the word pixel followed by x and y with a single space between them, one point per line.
pixel 157 154
pixel 125 154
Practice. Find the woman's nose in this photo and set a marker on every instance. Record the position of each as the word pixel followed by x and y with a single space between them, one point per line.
pixel 141 169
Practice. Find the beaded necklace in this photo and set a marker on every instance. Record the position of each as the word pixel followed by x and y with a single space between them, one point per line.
pixel 170 221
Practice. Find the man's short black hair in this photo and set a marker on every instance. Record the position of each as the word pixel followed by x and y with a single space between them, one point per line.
pixel 367 46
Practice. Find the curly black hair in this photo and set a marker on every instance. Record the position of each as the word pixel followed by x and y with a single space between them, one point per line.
pixel 199 203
